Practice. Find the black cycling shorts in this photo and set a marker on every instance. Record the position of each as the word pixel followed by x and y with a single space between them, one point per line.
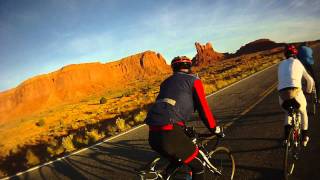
pixel 173 144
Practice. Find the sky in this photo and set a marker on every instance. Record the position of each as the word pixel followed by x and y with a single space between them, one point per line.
pixel 41 36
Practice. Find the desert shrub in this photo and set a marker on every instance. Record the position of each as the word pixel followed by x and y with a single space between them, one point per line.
pixel 145 89
pixel 140 116
pixel 80 140
pixel 118 110
pixel 127 93
pixel 121 125
pixel 94 135
pixel 40 123
pixel 209 88
pixel 75 126
pixel 67 143
pixel 89 112
pixel 32 159
pixel 103 100
pixel 55 150
pixel 111 129
pixel 220 84
pixel 131 123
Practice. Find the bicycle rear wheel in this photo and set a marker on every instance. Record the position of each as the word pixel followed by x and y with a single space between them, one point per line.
pixel 222 159
pixel 290 155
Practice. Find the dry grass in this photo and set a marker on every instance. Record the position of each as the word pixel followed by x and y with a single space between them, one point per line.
pixel 229 71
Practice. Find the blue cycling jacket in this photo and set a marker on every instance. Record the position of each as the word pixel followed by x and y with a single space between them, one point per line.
pixel 180 95
pixel 305 55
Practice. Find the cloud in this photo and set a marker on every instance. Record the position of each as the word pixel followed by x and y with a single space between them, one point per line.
pixel 173 28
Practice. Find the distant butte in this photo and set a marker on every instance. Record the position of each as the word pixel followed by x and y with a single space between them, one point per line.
pixel 206 54
pixel 77 81
pixel 257 45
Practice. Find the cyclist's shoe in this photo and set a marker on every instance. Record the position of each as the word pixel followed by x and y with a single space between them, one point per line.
pixel 305 140
pixel 219 132
pixel 305 137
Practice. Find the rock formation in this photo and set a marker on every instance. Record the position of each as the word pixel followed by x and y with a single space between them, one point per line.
pixel 258 45
pixel 205 54
pixel 77 81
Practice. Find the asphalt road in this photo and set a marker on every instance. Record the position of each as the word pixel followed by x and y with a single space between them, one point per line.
pixel 249 108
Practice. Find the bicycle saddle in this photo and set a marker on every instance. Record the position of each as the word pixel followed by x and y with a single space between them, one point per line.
pixel 290 105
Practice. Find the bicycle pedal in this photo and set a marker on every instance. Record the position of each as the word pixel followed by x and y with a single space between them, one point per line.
pixel 285 142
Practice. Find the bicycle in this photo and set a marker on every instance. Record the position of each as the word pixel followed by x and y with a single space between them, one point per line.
pixel 293 145
pixel 219 162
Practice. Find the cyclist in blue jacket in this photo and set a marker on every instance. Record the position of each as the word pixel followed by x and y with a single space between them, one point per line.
pixel 306 58
pixel 180 95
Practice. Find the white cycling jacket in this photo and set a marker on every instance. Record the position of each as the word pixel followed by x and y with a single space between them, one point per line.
pixel 290 73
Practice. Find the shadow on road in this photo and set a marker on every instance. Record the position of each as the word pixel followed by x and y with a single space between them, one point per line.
pixel 105 161
pixel 264 172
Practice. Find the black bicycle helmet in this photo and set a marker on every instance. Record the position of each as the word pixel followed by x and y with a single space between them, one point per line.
pixel 181 62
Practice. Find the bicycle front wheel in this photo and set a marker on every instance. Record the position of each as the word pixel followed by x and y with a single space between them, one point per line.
pixel 222 159
pixel 153 170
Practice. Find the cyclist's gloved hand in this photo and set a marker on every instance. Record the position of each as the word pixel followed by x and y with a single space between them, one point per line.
pixel 218 130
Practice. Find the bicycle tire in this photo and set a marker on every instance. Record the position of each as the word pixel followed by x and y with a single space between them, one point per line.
pixel 153 170
pixel 314 104
pixel 223 160
pixel 289 161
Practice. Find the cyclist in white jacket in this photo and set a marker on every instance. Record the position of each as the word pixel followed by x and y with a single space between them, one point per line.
pixel 290 74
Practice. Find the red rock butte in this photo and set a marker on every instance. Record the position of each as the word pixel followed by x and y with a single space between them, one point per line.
pixel 206 54
pixel 77 81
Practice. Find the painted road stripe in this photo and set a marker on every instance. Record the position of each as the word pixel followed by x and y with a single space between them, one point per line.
pixel 137 127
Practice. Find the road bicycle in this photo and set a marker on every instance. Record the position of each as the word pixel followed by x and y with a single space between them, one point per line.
pixel 293 144
pixel 219 162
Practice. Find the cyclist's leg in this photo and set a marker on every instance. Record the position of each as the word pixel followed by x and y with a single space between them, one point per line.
pixel 303 110
pixel 187 152
pixel 197 168
pixel 304 117
pixel 287 121
pixel 177 147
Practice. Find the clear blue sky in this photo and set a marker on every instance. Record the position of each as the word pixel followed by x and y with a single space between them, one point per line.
pixel 40 36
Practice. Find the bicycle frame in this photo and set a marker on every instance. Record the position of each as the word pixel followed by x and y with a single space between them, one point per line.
pixel 296 125
pixel 208 163
pixel 202 151
pixel 295 140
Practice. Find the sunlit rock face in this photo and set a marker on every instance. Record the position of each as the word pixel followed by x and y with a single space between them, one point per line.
pixel 77 81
